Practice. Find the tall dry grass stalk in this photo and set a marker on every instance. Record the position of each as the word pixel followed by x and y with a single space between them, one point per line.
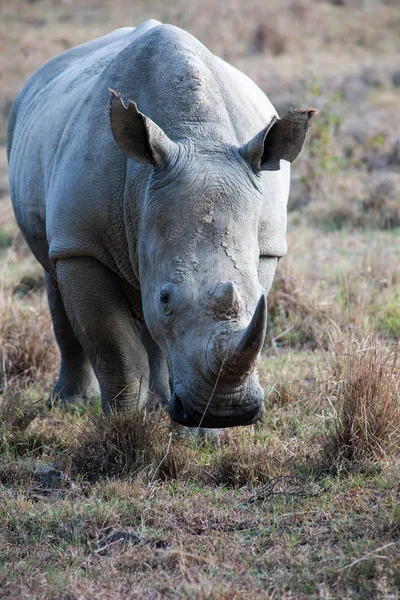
pixel 366 398
pixel 27 345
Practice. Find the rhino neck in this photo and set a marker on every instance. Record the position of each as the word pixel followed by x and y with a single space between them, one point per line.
pixel 124 219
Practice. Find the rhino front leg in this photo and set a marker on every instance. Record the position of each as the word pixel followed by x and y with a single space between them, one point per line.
pixel 76 380
pixel 105 326
pixel 159 390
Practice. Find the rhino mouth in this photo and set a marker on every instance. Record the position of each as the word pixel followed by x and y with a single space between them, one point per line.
pixel 183 413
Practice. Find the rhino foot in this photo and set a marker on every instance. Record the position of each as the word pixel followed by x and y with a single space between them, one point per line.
pixel 206 435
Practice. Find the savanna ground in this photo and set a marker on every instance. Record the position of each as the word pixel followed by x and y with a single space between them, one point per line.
pixel 305 503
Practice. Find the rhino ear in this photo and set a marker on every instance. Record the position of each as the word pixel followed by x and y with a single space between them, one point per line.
pixel 137 136
pixel 281 139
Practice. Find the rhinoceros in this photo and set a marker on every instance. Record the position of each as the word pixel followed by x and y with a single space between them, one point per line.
pixel 150 179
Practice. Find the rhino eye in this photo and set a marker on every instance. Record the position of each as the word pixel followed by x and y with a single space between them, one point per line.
pixel 164 297
pixel 165 302
pixel 169 293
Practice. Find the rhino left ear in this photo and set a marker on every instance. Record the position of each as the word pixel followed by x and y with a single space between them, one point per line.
pixel 138 136
pixel 282 139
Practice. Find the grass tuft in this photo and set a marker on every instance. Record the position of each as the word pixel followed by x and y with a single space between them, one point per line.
pixel 244 462
pixel 142 442
pixel 23 430
pixel 128 443
pixel 17 412
pixel 27 346
pixel 367 422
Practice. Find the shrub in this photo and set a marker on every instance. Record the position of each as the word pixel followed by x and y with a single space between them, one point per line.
pixel 362 202
pixel 381 207
pixel 268 38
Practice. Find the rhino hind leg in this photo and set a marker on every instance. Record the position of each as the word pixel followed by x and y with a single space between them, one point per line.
pixel 104 323
pixel 76 381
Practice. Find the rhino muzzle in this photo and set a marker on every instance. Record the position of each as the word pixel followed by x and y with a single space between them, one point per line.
pixel 236 398
pixel 182 410
pixel 225 405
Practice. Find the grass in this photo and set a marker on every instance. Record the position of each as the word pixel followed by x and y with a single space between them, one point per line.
pixel 296 318
pixel 304 504
pixel 183 518
pixel 27 345
pixel 366 402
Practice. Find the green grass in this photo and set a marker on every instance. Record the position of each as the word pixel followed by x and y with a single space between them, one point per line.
pixel 388 319
pixel 295 545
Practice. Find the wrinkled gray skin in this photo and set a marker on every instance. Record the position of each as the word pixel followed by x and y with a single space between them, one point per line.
pixel 159 234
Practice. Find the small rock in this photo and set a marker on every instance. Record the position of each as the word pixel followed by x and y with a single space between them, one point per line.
pixel 127 537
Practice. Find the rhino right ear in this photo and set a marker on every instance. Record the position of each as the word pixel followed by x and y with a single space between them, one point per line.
pixel 137 136
pixel 282 139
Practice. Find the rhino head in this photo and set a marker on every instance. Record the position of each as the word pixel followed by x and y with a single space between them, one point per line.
pixel 199 259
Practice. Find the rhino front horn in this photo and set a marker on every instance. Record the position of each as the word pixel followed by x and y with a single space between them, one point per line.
pixel 235 354
pixel 246 351
pixel 252 339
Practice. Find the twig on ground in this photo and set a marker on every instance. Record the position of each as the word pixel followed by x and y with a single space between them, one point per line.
pixel 288 485
pixel 373 553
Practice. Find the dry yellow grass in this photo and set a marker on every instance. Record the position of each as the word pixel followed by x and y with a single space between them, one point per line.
pixel 366 400
pixel 27 346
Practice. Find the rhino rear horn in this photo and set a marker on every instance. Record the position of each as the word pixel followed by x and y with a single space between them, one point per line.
pixel 282 139
pixel 138 136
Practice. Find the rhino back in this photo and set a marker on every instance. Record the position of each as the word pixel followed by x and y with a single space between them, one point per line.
pixel 50 154
pixel 68 177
